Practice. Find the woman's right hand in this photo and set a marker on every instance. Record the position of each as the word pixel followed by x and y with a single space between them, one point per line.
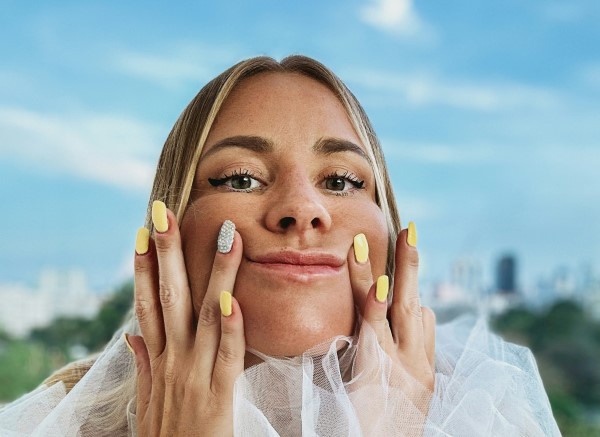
pixel 185 374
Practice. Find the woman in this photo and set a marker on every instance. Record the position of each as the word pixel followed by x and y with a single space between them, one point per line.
pixel 272 188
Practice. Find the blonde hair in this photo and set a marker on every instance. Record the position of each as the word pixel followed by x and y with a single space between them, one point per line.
pixel 183 148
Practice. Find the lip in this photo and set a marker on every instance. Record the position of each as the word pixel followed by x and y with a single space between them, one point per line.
pixel 300 258
pixel 299 265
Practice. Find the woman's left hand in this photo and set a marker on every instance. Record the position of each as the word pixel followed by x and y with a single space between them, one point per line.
pixel 408 336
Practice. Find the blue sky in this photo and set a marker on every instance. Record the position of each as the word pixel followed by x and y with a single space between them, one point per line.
pixel 488 113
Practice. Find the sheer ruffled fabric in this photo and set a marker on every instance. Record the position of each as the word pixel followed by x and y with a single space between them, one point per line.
pixel 484 386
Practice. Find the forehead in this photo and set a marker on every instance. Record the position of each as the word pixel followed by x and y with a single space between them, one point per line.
pixel 284 107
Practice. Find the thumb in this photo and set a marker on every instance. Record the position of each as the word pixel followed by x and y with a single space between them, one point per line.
pixel 137 346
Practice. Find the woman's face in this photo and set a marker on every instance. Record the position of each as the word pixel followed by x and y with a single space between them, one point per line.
pixel 283 162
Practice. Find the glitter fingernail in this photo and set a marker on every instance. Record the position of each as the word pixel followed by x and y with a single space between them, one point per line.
pixel 226 234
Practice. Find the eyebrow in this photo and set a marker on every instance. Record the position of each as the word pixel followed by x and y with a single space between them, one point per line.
pixel 256 144
pixel 252 143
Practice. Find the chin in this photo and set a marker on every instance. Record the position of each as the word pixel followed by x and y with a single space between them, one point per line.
pixel 290 326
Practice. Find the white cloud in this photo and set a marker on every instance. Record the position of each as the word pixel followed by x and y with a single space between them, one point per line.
pixel 177 64
pixel 397 17
pixel 426 89
pixel 113 150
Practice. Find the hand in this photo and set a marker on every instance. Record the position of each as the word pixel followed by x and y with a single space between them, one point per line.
pixel 185 375
pixel 408 337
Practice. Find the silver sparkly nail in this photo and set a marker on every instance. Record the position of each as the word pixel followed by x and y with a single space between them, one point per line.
pixel 225 239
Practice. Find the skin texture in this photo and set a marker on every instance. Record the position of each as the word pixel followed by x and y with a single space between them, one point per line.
pixel 284 315
pixel 186 370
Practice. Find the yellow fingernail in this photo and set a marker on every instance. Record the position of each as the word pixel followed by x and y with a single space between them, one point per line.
pixel 383 286
pixel 128 344
pixel 411 239
pixel 159 216
pixel 225 303
pixel 141 241
pixel 361 248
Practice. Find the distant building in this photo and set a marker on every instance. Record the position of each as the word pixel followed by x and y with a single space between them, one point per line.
pixel 506 275
pixel 57 294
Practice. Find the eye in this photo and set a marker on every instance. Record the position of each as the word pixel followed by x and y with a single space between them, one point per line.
pixel 335 184
pixel 344 182
pixel 242 181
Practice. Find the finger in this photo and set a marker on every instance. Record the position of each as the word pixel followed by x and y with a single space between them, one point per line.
pixel 359 266
pixel 429 335
pixel 222 278
pixel 232 347
pixel 144 379
pixel 407 325
pixel 174 292
pixel 147 303
pixel 375 313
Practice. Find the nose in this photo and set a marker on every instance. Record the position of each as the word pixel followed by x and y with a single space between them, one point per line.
pixel 297 206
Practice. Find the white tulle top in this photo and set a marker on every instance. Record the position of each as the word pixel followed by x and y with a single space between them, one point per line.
pixel 484 386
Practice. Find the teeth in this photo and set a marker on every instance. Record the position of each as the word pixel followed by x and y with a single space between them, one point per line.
pixel 225 239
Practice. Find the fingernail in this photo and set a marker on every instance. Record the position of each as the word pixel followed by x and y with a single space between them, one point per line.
pixel 361 248
pixel 128 344
pixel 141 241
pixel 225 303
pixel 383 286
pixel 411 239
pixel 225 239
pixel 159 216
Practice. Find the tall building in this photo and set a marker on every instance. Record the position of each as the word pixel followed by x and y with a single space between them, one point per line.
pixel 506 274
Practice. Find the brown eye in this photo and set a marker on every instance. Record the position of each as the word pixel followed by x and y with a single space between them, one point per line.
pixel 335 184
pixel 242 182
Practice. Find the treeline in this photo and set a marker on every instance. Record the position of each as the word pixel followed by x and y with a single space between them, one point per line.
pixel 25 363
pixel 565 340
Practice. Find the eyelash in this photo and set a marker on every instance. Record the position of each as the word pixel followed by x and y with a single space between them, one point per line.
pixel 350 177
pixel 228 177
pixel 357 183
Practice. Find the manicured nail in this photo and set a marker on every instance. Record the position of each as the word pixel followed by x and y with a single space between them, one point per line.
pixel 225 303
pixel 159 216
pixel 411 239
pixel 141 241
pixel 226 234
pixel 361 249
pixel 383 286
pixel 128 344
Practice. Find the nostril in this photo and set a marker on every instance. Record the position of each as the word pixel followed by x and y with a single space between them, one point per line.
pixel 315 222
pixel 285 222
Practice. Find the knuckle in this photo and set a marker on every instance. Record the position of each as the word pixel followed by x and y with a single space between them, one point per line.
pixel 208 316
pixel 143 310
pixel 227 355
pixel 170 372
pixel 141 267
pixel 164 243
pixel 168 294
pixel 412 258
pixel 413 306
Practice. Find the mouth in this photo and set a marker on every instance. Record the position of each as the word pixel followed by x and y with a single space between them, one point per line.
pixel 297 265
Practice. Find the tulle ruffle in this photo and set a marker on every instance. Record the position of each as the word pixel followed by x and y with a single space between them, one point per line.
pixel 348 386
